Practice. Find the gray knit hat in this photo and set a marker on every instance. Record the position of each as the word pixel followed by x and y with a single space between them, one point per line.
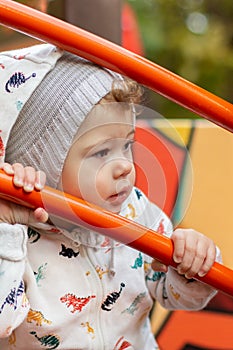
pixel 49 119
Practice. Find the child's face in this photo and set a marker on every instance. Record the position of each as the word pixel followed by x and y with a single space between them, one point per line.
pixel 99 167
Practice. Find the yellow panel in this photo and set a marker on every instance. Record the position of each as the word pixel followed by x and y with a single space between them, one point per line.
pixel 210 209
pixel 178 130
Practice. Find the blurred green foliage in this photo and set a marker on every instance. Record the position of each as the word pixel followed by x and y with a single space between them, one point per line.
pixel 194 39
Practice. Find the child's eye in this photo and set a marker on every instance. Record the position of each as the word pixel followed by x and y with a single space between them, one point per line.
pixel 128 145
pixel 102 153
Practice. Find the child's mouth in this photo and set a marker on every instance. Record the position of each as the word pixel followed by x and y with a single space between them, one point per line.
pixel 119 198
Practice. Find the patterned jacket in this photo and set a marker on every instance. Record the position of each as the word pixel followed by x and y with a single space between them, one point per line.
pixel 81 290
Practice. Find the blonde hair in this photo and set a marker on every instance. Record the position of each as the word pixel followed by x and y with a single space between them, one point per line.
pixel 125 90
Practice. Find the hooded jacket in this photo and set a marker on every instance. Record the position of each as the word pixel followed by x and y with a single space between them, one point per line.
pixel 81 290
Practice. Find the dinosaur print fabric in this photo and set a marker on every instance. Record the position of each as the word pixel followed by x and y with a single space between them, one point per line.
pixel 67 296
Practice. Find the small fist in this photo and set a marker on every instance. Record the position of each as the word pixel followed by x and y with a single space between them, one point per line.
pixel 28 179
pixel 194 253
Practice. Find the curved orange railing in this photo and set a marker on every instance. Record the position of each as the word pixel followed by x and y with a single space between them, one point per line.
pixel 105 53
pixel 100 51
pixel 114 226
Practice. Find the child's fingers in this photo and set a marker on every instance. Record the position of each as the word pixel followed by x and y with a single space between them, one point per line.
pixel 39 215
pixel 18 178
pixel 208 263
pixel 194 257
pixel 7 168
pixel 193 252
pixel 40 180
pixel 33 179
pixel 24 177
pixel 28 178
pixel 178 239
pixel 203 257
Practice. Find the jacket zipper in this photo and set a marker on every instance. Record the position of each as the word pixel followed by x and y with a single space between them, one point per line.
pixel 99 297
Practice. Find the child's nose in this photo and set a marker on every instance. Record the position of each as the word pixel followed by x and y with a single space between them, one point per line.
pixel 122 167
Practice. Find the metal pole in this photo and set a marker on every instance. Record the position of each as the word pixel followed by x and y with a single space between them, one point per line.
pixel 84 214
pixel 112 56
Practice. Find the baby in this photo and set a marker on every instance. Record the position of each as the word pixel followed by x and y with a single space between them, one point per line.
pixel 70 124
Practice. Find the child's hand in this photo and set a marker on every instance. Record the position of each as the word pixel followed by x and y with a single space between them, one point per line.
pixel 28 179
pixel 194 253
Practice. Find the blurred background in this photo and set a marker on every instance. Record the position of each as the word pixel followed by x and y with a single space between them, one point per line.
pixel 193 38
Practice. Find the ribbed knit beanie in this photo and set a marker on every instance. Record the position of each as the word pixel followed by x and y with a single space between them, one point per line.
pixel 47 93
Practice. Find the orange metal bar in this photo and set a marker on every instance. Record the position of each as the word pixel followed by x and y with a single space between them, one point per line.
pixel 105 53
pixel 100 51
pixel 113 226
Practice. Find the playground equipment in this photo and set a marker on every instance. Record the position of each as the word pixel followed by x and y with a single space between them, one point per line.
pixel 102 52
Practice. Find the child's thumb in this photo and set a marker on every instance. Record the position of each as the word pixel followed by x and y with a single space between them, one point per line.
pixel 38 216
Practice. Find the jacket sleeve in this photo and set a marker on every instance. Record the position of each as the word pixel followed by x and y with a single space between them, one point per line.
pixel 172 290
pixel 13 302
pixel 176 292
